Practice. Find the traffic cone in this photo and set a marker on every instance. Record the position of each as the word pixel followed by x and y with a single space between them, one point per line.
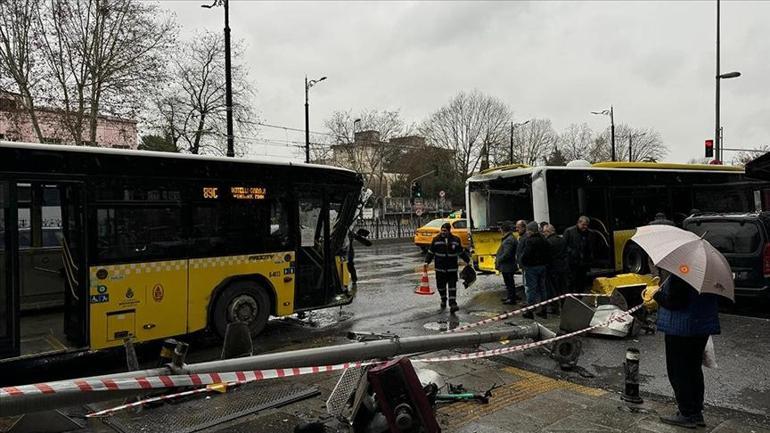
pixel 424 287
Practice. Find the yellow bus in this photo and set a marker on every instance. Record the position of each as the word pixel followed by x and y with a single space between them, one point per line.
pixel 152 245
pixel 617 196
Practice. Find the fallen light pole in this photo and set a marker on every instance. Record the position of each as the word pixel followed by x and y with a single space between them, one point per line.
pixel 63 394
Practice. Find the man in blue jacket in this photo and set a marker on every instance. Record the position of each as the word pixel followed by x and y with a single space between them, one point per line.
pixel 505 261
pixel 687 318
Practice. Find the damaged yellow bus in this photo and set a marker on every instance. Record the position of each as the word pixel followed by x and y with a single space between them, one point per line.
pixel 151 245
pixel 617 196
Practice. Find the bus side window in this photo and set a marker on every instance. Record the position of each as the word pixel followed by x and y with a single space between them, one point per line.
pixel 309 213
pixel 131 233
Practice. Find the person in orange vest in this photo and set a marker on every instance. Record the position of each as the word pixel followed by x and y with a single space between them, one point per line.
pixel 447 248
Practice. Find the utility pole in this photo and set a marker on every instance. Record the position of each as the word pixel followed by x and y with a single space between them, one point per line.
pixel 717 147
pixel 630 159
pixel 228 76
pixel 612 130
pixel 514 126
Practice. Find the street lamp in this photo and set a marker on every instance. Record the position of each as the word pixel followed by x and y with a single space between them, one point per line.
pixel 356 122
pixel 228 77
pixel 719 76
pixel 610 113
pixel 514 126
pixel 308 85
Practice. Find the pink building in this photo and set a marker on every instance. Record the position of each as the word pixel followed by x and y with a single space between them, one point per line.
pixel 16 125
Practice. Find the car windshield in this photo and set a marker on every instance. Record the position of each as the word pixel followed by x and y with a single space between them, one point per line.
pixel 736 237
pixel 435 223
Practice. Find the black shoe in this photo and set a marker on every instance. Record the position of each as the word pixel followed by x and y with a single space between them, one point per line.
pixel 443 305
pixel 528 315
pixel 453 308
pixel 678 420
pixel 698 420
pixel 509 301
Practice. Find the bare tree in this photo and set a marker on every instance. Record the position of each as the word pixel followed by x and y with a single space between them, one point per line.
pixel 645 145
pixel 192 110
pixel 575 142
pixel 19 62
pixel 744 157
pixel 102 56
pixel 533 142
pixel 471 124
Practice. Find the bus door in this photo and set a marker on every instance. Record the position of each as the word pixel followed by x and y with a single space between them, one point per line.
pixel 312 277
pixel 73 242
pixel 9 282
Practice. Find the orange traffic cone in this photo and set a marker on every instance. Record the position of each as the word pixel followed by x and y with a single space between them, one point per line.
pixel 424 287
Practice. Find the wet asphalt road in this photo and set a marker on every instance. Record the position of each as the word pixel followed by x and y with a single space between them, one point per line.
pixel 389 273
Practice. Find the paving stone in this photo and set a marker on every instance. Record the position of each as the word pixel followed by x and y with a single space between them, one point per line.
pixel 732 426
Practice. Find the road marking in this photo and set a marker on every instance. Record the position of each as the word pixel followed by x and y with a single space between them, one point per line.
pixel 530 385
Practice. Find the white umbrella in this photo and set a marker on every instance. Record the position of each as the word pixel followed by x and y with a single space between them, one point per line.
pixel 689 257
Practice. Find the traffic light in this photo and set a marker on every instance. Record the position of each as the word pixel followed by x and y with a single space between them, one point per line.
pixel 415 191
pixel 709 148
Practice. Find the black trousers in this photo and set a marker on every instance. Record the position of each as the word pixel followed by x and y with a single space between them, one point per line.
pixel 510 284
pixel 684 359
pixel 352 270
pixel 556 281
pixel 444 280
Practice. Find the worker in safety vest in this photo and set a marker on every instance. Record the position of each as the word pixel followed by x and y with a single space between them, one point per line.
pixel 447 248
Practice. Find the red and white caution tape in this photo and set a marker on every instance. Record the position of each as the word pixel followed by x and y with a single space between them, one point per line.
pixel 522 310
pixel 167 381
pixel 521 347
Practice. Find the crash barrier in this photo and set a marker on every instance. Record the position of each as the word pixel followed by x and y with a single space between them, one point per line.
pixel 394 226
pixel 504 316
pixel 96 385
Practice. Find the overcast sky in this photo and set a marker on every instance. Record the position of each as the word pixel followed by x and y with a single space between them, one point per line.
pixel 654 61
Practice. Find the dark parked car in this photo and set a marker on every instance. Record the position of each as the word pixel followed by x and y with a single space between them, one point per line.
pixel 744 240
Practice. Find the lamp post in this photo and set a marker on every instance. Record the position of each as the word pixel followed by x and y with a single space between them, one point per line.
pixel 514 126
pixel 308 85
pixel 228 77
pixel 610 113
pixel 719 76
pixel 356 123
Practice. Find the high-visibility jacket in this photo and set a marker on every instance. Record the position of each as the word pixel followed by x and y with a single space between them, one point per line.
pixel 446 250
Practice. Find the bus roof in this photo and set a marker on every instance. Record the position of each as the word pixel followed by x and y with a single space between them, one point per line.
pixel 155 154
pixel 521 170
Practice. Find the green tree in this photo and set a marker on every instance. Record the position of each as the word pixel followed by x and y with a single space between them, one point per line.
pixel 157 143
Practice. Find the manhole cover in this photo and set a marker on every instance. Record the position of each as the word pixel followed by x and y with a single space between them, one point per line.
pixel 203 413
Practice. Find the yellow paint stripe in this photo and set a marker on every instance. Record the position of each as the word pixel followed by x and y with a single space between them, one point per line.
pixel 531 385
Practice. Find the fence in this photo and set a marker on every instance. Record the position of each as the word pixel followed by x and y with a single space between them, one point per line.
pixel 395 226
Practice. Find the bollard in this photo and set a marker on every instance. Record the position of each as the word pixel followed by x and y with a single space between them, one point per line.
pixel 167 352
pixel 180 353
pixel 631 368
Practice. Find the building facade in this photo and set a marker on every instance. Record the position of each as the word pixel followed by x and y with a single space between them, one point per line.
pixel 16 125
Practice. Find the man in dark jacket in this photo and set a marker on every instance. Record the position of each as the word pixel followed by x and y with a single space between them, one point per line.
pixel 446 248
pixel 557 269
pixel 505 261
pixel 687 318
pixel 521 229
pixel 580 252
pixel 535 259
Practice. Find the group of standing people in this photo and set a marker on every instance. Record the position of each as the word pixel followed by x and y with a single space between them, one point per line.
pixel 550 263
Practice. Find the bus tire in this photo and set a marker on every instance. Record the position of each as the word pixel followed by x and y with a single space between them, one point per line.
pixel 242 301
pixel 635 259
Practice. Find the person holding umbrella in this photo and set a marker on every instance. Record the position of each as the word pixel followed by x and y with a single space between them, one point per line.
pixel 696 274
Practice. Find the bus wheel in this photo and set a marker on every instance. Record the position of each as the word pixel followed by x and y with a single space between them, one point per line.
pixel 242 301
pixel 635 259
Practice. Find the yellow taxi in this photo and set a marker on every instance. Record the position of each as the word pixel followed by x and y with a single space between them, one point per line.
pixel 425 234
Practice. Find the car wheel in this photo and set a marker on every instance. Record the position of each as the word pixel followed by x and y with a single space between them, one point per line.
pixel 635 259
pixel 242 301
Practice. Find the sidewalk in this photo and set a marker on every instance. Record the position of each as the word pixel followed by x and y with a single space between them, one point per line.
pixel 526 402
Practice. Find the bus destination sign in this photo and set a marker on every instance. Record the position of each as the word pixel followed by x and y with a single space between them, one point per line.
pixel 248 192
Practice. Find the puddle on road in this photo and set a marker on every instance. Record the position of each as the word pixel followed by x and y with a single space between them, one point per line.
pixel 442 325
